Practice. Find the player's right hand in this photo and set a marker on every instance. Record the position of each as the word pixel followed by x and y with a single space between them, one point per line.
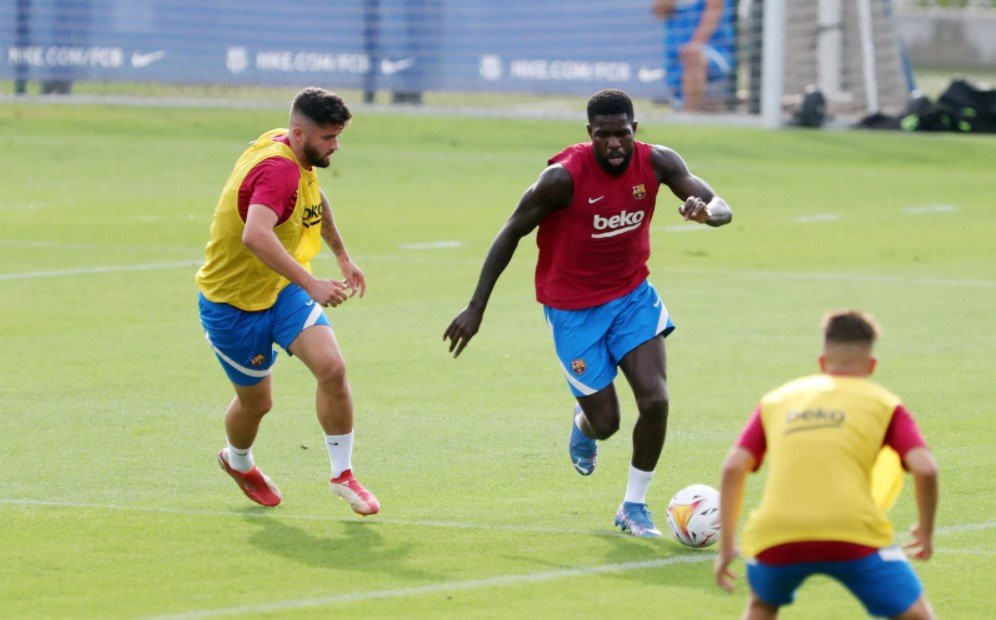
pixel 328 292
pixel 721 569
pixel 462 329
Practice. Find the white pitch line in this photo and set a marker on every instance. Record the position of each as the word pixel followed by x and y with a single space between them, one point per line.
pixel 77 245
pixel 965 527
pixel 445 586
pixel 431 245
pixel 787 275
pixel 16 501
pixel 300 517
pixel 964 551
pixel 28 275
pixel 843 277
pixel 930 209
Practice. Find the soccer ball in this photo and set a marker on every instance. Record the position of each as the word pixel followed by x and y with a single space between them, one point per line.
pixel 693 516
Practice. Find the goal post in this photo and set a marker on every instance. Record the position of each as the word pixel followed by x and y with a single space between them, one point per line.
pixel 850 50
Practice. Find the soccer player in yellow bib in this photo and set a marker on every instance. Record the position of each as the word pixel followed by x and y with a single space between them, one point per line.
pixel 819 513
pixel 257 290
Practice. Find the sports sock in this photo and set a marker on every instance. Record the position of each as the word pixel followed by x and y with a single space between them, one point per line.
pixel 636 487
pixel 240 459
pixel 340 452
pixel 577 422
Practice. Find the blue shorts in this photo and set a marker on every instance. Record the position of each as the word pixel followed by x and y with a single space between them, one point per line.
pixel 591 341
pixel 243 341
pixel 883 581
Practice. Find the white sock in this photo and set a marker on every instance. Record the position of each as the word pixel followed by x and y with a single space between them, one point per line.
pixel 340 452
pixel 577 422
pixel 636 487
pixel 240 459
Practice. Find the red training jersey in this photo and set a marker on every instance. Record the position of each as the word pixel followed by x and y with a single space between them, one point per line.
pixel 272 182
pixel 596 249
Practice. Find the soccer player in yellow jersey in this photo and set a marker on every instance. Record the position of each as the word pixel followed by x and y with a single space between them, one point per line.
pixel 817 515
pixel 257 290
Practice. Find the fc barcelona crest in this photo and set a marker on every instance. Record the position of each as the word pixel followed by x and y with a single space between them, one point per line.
pixel 257 360
pixel 639 191
pixel 578 366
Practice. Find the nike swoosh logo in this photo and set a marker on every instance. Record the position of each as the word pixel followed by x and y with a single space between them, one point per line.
pixel 592 201
pixel 139 60
pixel 613 233
pixel 390 67
pixel 311 302
pixel 657 304
pixel 646 74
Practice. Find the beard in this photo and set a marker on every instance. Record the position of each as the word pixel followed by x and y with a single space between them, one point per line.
pixel 315 158
pixel 614 170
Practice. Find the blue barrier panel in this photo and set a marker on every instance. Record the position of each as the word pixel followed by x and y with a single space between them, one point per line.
pixel 528 46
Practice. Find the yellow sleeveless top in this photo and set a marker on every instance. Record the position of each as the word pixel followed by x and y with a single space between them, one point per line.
pixel 232 274
pixel 823 435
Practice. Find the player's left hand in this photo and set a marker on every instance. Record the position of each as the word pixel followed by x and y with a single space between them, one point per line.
pixel 354 279
pixel 721 568
pixel 921 547
pixel 694 210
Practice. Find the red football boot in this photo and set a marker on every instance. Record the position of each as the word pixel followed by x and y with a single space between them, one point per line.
pixel 255 484
pixel 349 488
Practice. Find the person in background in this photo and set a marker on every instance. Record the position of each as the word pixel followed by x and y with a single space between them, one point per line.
pixel 699 52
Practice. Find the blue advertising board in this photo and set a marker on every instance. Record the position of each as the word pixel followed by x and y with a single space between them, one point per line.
pixel 554 46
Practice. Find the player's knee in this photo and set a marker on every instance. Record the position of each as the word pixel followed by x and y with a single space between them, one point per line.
pixel 604 426
pixel 920 610
pixel 332 374
pixel 654 405
pixel 759 610
pixel 694 62
pixel 257 407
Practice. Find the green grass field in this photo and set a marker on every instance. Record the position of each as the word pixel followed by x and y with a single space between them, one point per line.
pixel 113 506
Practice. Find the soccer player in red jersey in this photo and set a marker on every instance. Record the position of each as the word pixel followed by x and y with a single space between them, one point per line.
pixel 822 434
pixel 593 205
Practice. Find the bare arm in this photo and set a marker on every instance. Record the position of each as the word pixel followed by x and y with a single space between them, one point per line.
pixel 662 8
pixel 731 494
pixel 350 271
pixel 259 237
pixel 922 465
pixel 552 191
pixel 701 204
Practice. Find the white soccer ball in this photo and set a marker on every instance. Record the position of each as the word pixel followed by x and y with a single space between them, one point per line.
pixel 693 516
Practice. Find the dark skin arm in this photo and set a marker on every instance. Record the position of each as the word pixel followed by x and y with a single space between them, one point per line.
pixel 552 191
pixel 701 205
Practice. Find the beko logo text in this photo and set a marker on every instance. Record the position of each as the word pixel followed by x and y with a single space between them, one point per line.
pixel 617 224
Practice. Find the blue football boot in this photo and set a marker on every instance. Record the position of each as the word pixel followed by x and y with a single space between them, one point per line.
pixel 637 520
pixel 582 448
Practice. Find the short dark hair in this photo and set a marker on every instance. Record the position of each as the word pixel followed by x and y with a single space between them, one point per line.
pixel 321 106
pixel 850 326
pixel 609 102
